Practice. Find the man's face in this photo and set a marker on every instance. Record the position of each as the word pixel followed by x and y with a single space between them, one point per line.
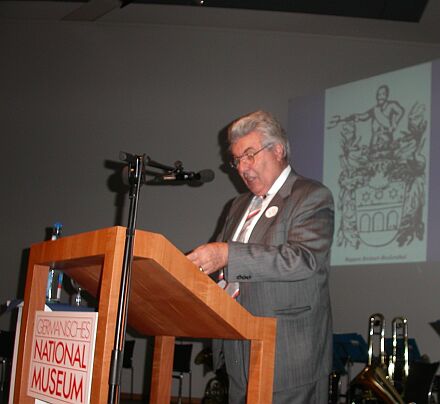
pixel 382 95
pixel 267 166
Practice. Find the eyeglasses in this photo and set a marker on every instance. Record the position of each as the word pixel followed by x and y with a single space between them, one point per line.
pixel 248 158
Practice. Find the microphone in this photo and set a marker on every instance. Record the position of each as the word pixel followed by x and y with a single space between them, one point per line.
pixel 200 177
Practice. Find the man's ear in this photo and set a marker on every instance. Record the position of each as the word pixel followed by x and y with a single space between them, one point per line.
pixel 279 151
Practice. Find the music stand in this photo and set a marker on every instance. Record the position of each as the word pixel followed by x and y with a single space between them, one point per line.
pixel 351 347
pixel 339 358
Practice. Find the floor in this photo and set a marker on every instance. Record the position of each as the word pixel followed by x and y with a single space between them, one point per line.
pixel 4 400
pixel 173 401
pixel 124 400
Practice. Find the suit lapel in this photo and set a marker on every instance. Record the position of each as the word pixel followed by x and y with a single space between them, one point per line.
pixel 235 215
pixel 277 203
pixel 238 209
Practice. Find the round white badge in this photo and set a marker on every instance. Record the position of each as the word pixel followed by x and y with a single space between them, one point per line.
pixel 272 211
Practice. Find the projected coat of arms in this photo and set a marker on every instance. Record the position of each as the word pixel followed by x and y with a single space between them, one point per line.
pixel 376 162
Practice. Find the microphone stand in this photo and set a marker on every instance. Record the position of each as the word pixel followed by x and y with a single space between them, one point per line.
pixel 177 169
pixel 135 178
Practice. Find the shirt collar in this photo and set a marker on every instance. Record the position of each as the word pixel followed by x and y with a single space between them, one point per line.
pixel 279 182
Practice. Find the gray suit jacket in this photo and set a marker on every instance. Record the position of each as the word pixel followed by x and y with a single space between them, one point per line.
pixel 283 273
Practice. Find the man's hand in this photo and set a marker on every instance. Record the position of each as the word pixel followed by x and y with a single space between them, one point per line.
pixel 210 257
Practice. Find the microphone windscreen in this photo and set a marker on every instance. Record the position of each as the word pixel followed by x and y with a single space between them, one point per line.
pixel 206 175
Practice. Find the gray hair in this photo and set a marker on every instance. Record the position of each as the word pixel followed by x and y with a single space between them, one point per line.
pixel 264 123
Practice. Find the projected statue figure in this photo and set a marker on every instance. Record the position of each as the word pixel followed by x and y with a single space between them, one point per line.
pixel 384 116
pixel 382 178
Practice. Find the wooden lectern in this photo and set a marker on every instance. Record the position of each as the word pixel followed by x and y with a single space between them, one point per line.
pixel 169 297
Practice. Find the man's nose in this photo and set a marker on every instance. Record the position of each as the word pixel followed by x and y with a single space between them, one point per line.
pixel 244 163
pixel 242 166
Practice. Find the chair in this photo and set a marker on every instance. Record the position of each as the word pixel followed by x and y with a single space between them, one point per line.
pixel 127 362
pixel 182 365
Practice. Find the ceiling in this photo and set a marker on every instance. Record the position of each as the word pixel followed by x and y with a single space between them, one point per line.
pixel 401 20
pixel 409 10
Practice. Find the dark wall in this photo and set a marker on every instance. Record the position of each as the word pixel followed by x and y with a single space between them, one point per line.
pixel 74 94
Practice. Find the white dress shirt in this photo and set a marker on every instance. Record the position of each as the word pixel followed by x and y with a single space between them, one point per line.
pixel 279 182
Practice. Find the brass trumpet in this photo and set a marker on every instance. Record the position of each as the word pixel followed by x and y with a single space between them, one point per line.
pixel 398 365
pixel 376 328
pixel 372 381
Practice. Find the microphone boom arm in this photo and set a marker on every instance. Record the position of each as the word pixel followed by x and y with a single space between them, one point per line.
pixel 178 166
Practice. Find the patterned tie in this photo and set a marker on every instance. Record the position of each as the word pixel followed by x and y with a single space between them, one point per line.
pixel 232 288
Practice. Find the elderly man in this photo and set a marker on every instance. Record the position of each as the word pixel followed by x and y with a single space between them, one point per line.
pixel 273 257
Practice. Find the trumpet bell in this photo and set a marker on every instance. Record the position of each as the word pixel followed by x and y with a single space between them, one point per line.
pixel 374 384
